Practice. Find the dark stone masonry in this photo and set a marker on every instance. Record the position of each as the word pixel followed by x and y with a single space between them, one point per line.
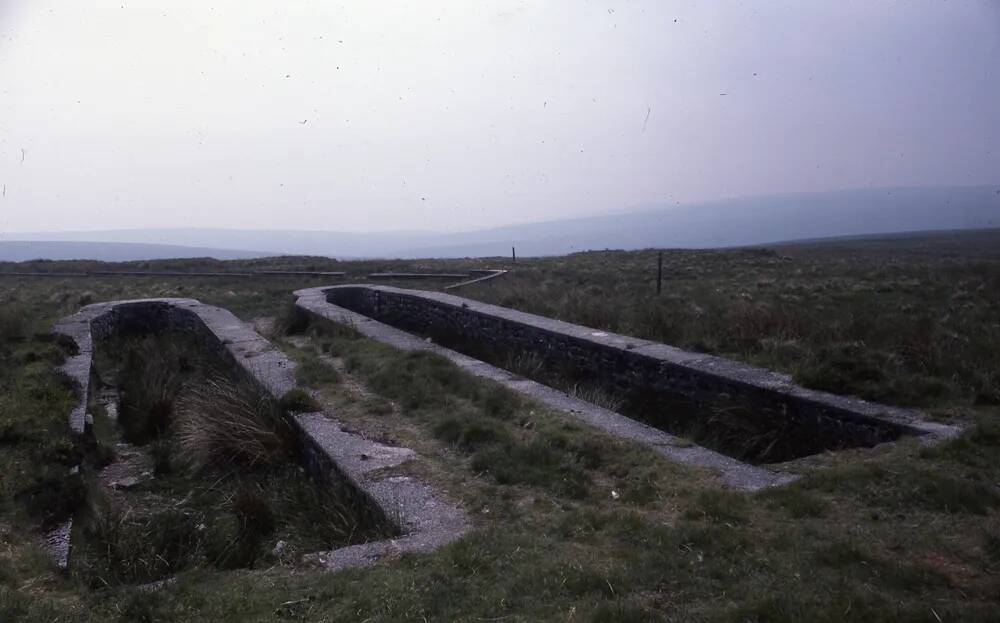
pixel 331 454
pixel 806 420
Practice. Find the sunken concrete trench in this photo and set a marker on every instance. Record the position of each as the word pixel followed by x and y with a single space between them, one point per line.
pixel 693 408
pixel 422 517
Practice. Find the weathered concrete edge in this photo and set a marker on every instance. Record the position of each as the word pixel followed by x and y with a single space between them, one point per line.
pixel 76 368
pixel 425 518
pixel 732 472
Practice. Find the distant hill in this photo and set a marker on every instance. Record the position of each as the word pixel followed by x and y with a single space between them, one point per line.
pixel 21 251
pixel 742 222
pixel 724 223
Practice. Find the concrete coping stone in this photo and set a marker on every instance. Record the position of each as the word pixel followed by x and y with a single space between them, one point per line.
pixel 426 519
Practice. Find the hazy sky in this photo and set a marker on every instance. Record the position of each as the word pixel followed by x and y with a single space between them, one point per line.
pixel 436 114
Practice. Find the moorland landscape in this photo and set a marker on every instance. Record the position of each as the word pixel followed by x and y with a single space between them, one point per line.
pixel 569 522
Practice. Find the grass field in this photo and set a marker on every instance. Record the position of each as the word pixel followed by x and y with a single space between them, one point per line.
pixel 571 524
pixel 908 321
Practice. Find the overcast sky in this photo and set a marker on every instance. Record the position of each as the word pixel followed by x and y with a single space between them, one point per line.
pixel 450 115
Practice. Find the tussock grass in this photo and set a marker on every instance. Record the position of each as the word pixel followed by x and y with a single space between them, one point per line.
pixel 192 409
pixel 13 322
pixel 525 363
pixel 727 507
pixel 53 496
pixel 597 395
pixel 150 374
pixel 290 320
pixel 898 325
pixel 535 462
pixel 378 406
pixel 225 420
pixel 126 549
pixel 470 433
pixel 298 401
pixel 319 516
pixel 238 540
pixel 312 372
pixel 796 501
pixel 231 520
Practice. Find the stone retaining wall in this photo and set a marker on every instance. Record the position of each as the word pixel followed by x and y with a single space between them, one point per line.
pixel 627 362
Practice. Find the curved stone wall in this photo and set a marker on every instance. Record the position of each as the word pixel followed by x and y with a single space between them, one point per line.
pixel 425 519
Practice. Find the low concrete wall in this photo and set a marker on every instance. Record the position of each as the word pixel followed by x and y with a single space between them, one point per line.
pixel 331 454
pixel 623 361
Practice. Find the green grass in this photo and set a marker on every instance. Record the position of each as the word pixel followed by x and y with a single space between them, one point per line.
pixel 36 452
pixel 478 418
pixel 902 533
pixel 13 325
pixel 311 371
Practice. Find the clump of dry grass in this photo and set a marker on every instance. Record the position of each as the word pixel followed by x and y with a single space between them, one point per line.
pixel 224 420
pixel 597 395
pixel 150 377
pixel 525 363
pixel 128 548
pixel 289 321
